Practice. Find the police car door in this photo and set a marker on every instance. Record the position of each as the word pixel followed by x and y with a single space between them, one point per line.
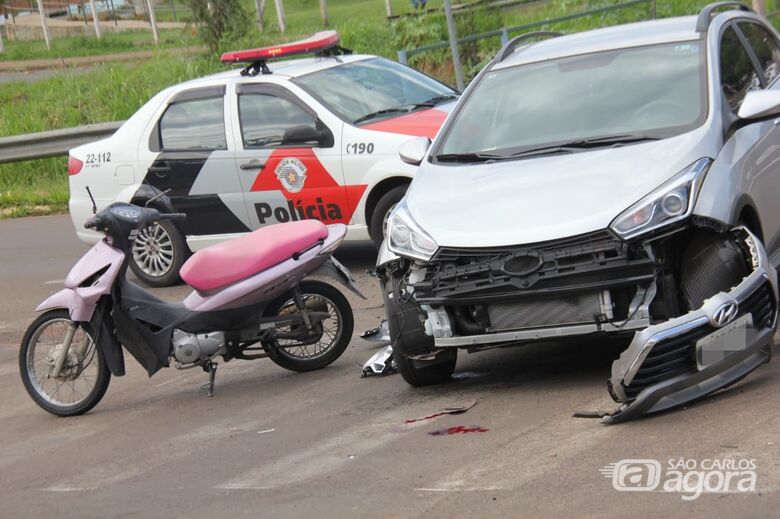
pixel 288 158
pixel 189 153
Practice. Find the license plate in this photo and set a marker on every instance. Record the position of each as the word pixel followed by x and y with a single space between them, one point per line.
pixel 721 343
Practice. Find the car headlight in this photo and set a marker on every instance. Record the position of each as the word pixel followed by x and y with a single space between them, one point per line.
pixel 406 238
pixel 670 203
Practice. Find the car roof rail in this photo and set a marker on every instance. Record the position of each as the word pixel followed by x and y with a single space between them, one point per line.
pixel 707 12
pixel 511 45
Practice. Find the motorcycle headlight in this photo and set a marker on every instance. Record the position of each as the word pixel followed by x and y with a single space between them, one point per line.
pixel 670 203
pixel 406 238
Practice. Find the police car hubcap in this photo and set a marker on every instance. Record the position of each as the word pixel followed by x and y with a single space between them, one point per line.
pixel 153 251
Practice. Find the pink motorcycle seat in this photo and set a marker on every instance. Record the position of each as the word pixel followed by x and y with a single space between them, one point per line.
pixel 223 264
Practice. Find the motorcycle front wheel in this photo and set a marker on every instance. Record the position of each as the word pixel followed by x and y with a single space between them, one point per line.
pixel 84 376
pixel 333 333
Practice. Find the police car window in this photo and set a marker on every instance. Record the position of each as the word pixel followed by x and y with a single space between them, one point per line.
pixel 737 75
pixel 355 90
pixel 194 125
pixel 265 118
pixel 765 47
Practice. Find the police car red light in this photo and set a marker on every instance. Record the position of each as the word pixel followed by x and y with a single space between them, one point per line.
pixel 74 165
pixel 321 41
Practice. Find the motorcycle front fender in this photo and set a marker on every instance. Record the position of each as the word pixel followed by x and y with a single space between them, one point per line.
pixel 82 311
pixel 67 298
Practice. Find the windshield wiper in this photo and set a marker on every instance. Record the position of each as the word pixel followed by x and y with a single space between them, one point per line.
pixel 403 109
pixel 387 111
pixel 613 139
pixel 581 144
pixel 467 157
pixel 437 100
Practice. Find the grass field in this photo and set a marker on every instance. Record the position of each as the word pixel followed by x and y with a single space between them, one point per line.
pixel 110 43
pixel 115 91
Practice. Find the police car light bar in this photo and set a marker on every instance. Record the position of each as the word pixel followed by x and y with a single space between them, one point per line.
pixel 319 43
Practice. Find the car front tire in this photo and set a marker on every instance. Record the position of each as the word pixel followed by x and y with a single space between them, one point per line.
pixel 379 216
pixel 427 372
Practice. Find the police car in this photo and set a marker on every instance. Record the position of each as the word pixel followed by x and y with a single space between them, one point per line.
pixel 276 141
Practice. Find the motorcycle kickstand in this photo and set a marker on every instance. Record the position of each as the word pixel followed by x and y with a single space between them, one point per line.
pixel 211 368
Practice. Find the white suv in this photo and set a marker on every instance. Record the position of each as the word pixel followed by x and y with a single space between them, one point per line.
pixel 622 181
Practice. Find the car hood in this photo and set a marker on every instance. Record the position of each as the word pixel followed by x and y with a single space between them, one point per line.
pixel 422 123
pixel 546 198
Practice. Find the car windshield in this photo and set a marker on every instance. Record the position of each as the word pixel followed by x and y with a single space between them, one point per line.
pixel 599 99
pixel 368 90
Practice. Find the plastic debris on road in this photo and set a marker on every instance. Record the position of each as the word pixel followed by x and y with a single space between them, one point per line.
pixel 459 429
pixel 381 363
pixel 454 409
pixel 380 334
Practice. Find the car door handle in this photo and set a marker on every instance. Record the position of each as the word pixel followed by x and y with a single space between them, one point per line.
pixel 252 165
pixel 159 169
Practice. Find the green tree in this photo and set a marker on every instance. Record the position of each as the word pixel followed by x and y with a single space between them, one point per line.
pixel 219 20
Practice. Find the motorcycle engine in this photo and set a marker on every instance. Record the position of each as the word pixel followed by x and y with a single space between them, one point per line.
pixel 189 348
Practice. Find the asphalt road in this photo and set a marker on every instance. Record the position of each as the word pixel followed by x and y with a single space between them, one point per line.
pixel 273 443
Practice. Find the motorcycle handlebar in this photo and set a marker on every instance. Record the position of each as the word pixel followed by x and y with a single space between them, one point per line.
pixel 93 222
pixel 174 217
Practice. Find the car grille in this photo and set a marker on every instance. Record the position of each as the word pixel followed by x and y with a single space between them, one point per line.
pixel 585 263
pixel 572 309
pixel 677 356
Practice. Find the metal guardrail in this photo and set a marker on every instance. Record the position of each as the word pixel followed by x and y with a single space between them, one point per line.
pixel 53 143
pixel 405 54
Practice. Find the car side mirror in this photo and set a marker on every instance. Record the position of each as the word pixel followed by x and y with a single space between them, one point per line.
pixel 759 103
pixel 305 134
pixel 413 151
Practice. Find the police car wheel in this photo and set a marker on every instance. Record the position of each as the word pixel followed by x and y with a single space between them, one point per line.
pixel 157 255
pixel 378 224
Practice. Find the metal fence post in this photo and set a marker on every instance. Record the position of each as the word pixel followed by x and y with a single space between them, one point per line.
pixel 402 57
pixel 153 22
pixel 44 25
pixel 112 10
pixel 95 18
pixel 173 8
pixel 504 36
pixel 389 8
pixel 260 8
pixel 83 12
pixel 280 15
pixel 324 12
pixel 2 45
pixel 453 33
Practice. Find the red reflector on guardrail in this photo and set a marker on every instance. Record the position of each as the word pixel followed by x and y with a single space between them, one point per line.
pixel 74 165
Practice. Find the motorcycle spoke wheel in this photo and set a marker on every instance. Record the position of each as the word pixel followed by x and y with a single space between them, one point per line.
pixel 331 335
pixel 84 376
pixel 330 328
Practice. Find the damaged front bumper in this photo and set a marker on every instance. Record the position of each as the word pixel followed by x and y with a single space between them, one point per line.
pixel 670 361
pixel 686 358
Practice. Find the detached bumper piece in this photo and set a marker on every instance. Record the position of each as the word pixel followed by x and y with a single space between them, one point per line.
pixel 684 359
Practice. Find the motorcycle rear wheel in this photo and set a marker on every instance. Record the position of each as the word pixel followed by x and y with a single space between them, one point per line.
pixel 84 377
pixel 336 329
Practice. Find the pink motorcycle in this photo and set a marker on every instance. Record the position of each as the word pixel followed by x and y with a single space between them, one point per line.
pixel 250 300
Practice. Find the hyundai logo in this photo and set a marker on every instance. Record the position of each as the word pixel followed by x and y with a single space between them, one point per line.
pixel 724 315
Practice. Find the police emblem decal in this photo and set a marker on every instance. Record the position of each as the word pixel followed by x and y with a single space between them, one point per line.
pixel 291 172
